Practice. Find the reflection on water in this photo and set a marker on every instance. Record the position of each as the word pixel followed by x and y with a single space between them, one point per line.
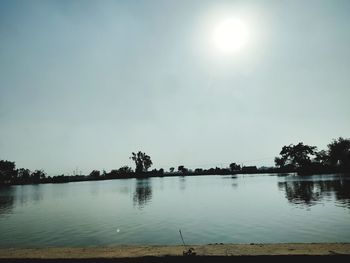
pixel 143 192
pixel 28 193
pixel 233 179
pixel 123 190
pixel 312 190
pixel 182 183
pixel 21 194
pixel 6 200
pixel 209 209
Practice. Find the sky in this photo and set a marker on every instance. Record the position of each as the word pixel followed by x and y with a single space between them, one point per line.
pixel 85 83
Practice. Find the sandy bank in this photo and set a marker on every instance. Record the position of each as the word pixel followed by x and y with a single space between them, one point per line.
pixel 217 250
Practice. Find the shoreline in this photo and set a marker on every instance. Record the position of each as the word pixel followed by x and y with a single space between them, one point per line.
pixel 215 250
pixel 69 179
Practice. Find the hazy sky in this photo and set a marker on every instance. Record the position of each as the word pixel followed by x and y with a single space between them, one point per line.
pixel 85 83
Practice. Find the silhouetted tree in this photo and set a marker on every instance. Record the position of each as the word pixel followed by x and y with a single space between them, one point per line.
pixel 339 152
pixel 235 167
pixel 198 170
pixel 171 169
pixel 24 174
pixel 182 169
pixel 142 161
pixel 322 158
pixel 7 171
pixel 280 162
pixel 113 173
pixel 37 176
pixel 95 173
pixel 125 170
pixel 295 155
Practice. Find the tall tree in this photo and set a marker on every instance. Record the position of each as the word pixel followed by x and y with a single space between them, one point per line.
pixel 182 169
pixel 295 155
pixel 38 175
pixel 234 167
pixel 339 152
pixel 7 171
pixel 24 174
pixel 142 161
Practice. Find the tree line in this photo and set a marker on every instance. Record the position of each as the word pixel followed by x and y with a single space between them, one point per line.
pixel 300 158
pixel 307 159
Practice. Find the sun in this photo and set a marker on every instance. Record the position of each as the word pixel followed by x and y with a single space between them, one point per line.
pixel 230 35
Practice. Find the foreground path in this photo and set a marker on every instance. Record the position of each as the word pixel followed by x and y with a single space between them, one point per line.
pixel 216 250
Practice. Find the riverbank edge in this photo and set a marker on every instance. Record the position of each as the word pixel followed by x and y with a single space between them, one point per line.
pixel 215 250
pixel 71 179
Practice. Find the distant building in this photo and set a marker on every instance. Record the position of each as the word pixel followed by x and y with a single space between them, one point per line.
pixel 249 169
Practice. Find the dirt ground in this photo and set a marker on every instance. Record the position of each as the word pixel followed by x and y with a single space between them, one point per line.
pixel 215 250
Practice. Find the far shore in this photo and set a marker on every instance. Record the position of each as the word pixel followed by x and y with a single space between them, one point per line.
pixel 83 178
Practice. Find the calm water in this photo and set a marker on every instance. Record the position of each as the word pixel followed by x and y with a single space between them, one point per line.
pixel 207 209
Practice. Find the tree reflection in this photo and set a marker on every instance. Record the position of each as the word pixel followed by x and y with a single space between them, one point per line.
pixel 29 193
pixel 6 200
pixel 143 192
pixel 311 192
pixel 182 183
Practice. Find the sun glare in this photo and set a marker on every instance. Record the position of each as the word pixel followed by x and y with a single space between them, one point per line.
pixel 230 35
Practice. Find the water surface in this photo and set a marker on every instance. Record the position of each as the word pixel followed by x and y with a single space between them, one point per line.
pixel 207 209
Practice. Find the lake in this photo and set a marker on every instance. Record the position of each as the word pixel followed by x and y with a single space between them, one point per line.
pixel 207 209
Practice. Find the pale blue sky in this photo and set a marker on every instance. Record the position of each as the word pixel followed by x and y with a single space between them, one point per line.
pixel 85 83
